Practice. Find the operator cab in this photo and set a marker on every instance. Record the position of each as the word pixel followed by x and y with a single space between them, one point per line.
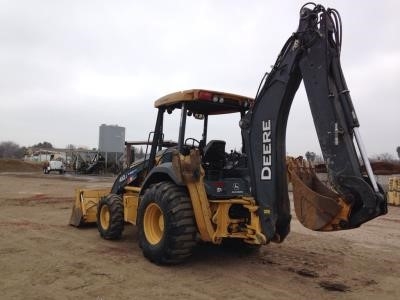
pixel 226 172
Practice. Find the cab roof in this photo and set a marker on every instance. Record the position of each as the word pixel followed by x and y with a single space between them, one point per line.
pixel 207 102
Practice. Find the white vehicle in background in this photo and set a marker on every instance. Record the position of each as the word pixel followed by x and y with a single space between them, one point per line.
pixel 54 165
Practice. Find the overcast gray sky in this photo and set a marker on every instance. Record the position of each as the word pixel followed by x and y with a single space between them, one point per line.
pixel 66 67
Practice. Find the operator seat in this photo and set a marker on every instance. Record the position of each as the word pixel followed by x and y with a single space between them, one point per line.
pixel 214 154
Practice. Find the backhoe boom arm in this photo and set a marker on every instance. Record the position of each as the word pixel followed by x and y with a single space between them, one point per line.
pixel 311 54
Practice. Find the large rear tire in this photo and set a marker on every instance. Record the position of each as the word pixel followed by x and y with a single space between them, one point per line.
pixel 110 217
pixel 167 229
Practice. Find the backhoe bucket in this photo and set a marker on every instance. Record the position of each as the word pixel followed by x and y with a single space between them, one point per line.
pixel 84 210
pixel 317 207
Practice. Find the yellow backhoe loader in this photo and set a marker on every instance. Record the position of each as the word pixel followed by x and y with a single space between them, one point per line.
pixel 195 190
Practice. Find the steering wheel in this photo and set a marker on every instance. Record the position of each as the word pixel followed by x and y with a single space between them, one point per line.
pixel 193 142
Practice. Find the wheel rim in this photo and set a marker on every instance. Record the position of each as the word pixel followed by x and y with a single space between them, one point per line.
pixel 153 223
pixel 105 217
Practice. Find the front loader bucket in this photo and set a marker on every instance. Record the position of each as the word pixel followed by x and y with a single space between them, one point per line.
pixel 84 210
pixel 76 218
pixel 317 207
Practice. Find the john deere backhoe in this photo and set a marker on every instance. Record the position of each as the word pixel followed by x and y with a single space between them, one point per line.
pixel 194 190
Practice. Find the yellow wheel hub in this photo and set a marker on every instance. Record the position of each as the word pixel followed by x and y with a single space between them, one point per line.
pixel 153 223
pixel 105 217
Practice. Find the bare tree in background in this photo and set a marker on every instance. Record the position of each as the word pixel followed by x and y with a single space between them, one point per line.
pixel 11 150
pixel 44 145
pixel 398 151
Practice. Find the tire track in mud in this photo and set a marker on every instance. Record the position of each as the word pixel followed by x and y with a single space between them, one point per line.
pixel 333 266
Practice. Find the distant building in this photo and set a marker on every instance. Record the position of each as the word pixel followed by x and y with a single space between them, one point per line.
pixel 111 138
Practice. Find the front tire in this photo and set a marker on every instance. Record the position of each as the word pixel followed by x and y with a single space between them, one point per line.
pixel 110 217
pixel 167 229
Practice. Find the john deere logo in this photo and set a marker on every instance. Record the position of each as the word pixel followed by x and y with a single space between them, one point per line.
pixel 236 186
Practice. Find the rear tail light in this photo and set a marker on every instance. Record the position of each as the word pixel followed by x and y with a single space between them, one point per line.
pixel 208 96
pixel 203 95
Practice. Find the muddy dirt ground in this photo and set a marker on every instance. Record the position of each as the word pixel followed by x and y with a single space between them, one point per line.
pixel 42 257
